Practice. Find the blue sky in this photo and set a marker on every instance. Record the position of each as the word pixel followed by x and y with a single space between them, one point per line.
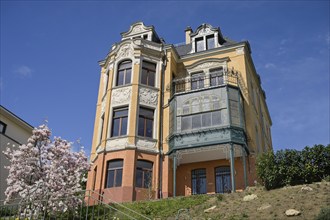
pixel 49 54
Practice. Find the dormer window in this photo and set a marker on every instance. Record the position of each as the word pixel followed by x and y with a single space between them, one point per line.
pixel 204 38
pixel 210 42
pixel 199 44
pixel 204 43
pixel 140 31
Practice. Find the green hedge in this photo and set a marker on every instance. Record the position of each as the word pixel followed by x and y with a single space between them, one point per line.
pixel 292 167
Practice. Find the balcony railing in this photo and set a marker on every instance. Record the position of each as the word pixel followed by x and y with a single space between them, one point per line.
pixel 215 79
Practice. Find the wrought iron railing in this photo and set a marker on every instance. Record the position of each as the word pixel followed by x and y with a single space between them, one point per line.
pixel 92 206
pixel 223 77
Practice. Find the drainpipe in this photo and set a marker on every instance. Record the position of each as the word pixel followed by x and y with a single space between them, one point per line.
pixel 160 195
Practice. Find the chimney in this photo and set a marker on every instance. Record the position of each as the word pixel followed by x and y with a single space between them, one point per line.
pixel 188 32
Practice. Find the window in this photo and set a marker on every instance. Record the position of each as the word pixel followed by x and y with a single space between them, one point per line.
pixel 206 43
pixel 201 120
pixel 197 81
pixel 198 181
pixel 216 76
pixel 3 127
pixel 124 73
pixel 148 73
pixel 143 174
pixel 146 121
pixel 119 122
pixel 114 173
pixel 94 178
pixel 101 128
pixel 199 44
pixel 222 180
pixel 210 42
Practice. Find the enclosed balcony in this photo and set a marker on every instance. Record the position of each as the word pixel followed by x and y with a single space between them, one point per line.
pixel 207 126
pixel 206 110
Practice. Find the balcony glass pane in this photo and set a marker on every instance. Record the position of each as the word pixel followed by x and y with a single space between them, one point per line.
pixel 216 118
pixel 186 123
pixel 196 121
pixel 206 119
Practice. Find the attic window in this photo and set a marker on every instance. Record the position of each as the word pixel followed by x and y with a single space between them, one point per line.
pixel 204 43
pixel 145 36
pixel 199 44
pixel 210 42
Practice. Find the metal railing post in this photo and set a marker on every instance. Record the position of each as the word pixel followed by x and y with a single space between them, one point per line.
pixel 87 203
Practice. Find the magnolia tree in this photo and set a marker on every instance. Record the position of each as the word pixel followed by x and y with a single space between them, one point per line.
pixel 45 174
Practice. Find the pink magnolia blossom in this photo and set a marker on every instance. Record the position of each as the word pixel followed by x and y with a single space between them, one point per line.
pixel 46 170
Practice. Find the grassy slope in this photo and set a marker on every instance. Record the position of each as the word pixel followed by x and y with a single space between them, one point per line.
pixel 231 206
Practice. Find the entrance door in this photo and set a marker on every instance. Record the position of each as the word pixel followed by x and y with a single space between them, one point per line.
pixel 222 180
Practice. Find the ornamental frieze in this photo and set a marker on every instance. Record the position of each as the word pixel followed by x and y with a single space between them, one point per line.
pixel 148 96
pixel 125 51
pixel 115 144
pixel 121 96
pixel 146 145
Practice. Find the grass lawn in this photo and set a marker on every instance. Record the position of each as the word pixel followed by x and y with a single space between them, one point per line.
pixel 232 206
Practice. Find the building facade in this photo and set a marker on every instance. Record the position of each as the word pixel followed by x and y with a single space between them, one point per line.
pixel 177 119
pixel 14 131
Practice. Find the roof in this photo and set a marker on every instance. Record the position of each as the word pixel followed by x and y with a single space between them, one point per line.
pixel 183 49
pixel 7 113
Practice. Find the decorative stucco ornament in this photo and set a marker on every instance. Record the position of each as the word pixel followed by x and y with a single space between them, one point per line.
pixel 148 96
pixel 121 95
pixel 125 51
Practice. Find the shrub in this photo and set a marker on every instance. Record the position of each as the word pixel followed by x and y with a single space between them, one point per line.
pixel 324 214
pixel 292 167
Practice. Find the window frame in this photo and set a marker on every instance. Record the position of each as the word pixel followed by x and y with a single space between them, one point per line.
pixel 120 121
pixel 125 81
pixel 218 75
pixel 150 71
pixel 199 79
pixel 116 170
pixel 218 173
pixel 211 36
pixel 146 172
pixel 145 118
pixel 195 190
pixel 197 40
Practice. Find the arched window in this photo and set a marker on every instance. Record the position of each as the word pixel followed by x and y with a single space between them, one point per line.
pixel 222 180
pixel 114 173
pixel 143 174
pixel 124 73
pixel 198 181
